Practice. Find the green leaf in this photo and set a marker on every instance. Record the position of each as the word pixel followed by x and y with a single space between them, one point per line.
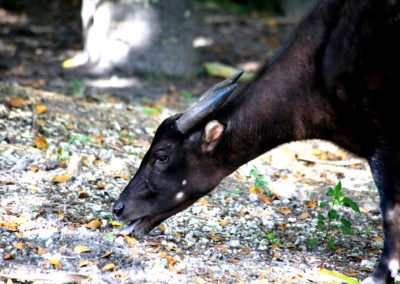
pixel 335 227
pixel 320 217
pixel 323 204
pixel 330 192
pixel 270 236
pixel 345 222
pixel 368 229
pixel 331 245
pixel 321 226
pixel 236 191
pixel 333 215
pixel 313 241
pixel 338 187
pixel 351 203
pixel 346 230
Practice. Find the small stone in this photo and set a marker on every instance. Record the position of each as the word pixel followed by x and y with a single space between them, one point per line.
pixel 253 197
pixel 365 263
pixel 75 163
pixel 234 244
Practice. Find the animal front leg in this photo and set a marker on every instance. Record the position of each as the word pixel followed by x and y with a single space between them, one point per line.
pixel 385 167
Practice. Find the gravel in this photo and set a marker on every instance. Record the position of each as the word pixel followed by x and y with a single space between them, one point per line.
pixel 228 236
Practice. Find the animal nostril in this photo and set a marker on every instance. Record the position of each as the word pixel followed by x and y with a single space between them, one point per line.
pixel 118 208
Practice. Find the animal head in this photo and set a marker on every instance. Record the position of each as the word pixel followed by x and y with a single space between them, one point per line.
pixel 180 165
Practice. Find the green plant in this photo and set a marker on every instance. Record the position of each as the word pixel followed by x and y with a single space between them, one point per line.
pixel 62 153
pixel 259 181
pixel 273 241
pixel 150 111
pixel 127 136
pixel 333 220
pixel 187 95
pixel 77 87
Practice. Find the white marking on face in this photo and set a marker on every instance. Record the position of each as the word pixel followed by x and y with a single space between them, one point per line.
pixel 179 195
pixel 184 182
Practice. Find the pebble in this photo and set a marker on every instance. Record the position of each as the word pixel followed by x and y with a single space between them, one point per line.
pixel 253 197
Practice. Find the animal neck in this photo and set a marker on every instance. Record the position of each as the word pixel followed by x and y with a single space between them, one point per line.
pixel 286 102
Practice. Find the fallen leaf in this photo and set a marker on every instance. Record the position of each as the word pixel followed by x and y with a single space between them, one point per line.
pixel 121 176
pixel 17 102
pixel 214 238
pixel 101 186
pixel 84 263
pixel 156 249
pixel 108 266
pixel 377 239
pixel 8 256
pixel 312 203
pixel 95 224
pixel 264 199
pixel 234 274
pixel 106 254
pixel 80 249
pixel 178 235
pixel 12 226
pixel 223 223
pixel 41 122
pixel 40 143
pixel 57 265
pixel 274 246
pixel 161 227
pixel 40 108
pixel 19 235
pixel 304 215
pixel 340 250
pixel 276 255
pixel 62 178
pixel 203 201
pixel 239 176
pixel 283 225
pixel 224 248
pixel 32 246
pixel 71 228
pixel 34 169
pixel 19 245
pixel 285 210
pixel 232 260
pixel 171 262
pixel 115 223
pixel 83 195
pixel 130 240
pixel 40 250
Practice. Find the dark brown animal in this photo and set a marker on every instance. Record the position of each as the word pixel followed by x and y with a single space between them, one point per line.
pixel 337 79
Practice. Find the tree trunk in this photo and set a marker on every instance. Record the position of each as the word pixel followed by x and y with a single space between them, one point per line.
pixel 149 36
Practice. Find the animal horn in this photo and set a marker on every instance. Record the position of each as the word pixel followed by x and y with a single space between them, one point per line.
pixel 209 101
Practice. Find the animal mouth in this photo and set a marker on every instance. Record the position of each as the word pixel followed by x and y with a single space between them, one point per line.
pixel 128 229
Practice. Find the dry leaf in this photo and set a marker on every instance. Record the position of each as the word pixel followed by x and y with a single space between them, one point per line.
pixel 312 203
pixel 203 201
pixel 121 176
pixel 304 215
pixel 274 246
pixel 34 169
pixel 377 239
pixel 114 223
pixel 71 228
pixel 40 250
pixel 283 225
pixel 156 249
pixel 62 178
pixel 178 235
pixel 80 249
pixel 224 248
pixel 84 263
pixel 8 256
pixel 171 262
pixel 108 266
pixel 40 109
pixel 93 224
pixel 130 240
pixel 234 274
pixel 285 210
pixel 340 250
pixel 239 176
pixel 214 238
pixel 276 255
pixel 232 260
pixel 264 199
pixel 161 227
pixel 83 195
pixel 106 254
pixel 19 245
pixel 57 265
pixel 40 143
pixel 223 223
pixel 17 102
pixel 101 186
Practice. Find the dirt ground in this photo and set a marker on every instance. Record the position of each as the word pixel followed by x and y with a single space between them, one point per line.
pixel 62 166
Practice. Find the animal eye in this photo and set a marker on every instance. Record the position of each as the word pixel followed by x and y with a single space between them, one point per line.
pixel 161 158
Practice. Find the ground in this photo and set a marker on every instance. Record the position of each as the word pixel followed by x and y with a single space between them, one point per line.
pixel 69 144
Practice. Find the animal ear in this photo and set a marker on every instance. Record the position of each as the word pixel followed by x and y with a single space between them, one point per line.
pixel 211 135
